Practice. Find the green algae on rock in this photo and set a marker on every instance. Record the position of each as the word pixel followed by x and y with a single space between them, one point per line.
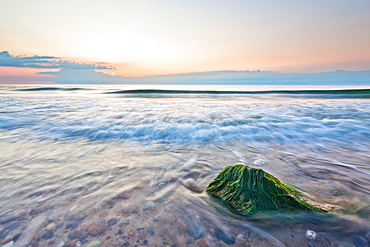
pixel 248 190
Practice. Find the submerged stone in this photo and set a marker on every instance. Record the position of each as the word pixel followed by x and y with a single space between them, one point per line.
pixel 94 244
pixel 248 190
pixel 48 234
pixel 112 222
pixel 75 235
pixel 195 230
pixel 226 238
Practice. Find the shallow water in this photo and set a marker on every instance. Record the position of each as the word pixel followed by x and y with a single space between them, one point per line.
pixel 88 164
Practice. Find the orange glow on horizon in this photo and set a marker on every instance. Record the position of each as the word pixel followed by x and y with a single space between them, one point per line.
pixel 23 71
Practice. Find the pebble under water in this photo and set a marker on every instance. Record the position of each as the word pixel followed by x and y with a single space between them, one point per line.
pixel 86 168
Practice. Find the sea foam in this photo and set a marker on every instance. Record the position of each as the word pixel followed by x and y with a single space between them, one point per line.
pixel 187 122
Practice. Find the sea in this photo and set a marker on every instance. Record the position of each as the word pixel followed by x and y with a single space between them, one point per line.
pixel 127 165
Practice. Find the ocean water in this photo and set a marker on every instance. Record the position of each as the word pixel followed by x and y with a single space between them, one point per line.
pixel 127 165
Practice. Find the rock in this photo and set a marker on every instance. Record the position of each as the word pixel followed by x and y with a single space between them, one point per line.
pixel 126 214
pixel 95 228
pixel 59 225
pixel 48 234
pixel 139 187
pixel 35 211
pixel 195 230
pixel 102 228
pixel 61 244
pixel 50 226
pixel 94 244
pixel 7 239
pixel 259 162
pixel 310 235
pixel 73 224
pixel 36 194
pixel 10 244
pixel 202 242
pixel 111 202
pixel 224 237
pixel 162 184
pixel 103 214
pixel 360 241
pixel 76 217
pixel 74 235
pixel 151 232
pixel 15 238
pixel 150 204
pixel 34 244
pixel 135 212
pixel 248 190
pixel 112 222
pixel 125 195
pixel 193 186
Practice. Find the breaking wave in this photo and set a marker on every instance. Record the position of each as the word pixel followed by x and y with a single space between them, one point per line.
pixel 35 89
pixel 345 93
pixel 187 122
pixel 132 91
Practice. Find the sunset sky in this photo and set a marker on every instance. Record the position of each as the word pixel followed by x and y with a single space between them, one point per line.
pixel 142 37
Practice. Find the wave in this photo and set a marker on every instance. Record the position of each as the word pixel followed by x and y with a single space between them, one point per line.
pixel 188 91
pixel 187 123
pixel 350 93
pixel 34 89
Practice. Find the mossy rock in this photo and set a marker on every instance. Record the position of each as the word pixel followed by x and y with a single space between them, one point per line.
pixel 248 190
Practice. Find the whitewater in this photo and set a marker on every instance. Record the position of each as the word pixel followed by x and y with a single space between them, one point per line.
pixel 126 165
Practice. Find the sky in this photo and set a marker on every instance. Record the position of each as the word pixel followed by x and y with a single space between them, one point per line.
pixel 43 41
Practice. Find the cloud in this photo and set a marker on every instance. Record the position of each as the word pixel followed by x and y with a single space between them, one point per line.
pixel 82 73
pixel 83 76
pixel 259 78
pixel 90 76
pixel 43 62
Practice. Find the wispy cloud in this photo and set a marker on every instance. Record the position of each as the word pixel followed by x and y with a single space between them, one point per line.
pixel 42 62
pixel 82 73
pixel 82 76
pixel 340 77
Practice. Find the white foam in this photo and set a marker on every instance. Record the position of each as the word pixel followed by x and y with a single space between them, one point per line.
pixel 188 122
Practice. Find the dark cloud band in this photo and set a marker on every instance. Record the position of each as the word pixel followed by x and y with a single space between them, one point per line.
pixel 43 62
